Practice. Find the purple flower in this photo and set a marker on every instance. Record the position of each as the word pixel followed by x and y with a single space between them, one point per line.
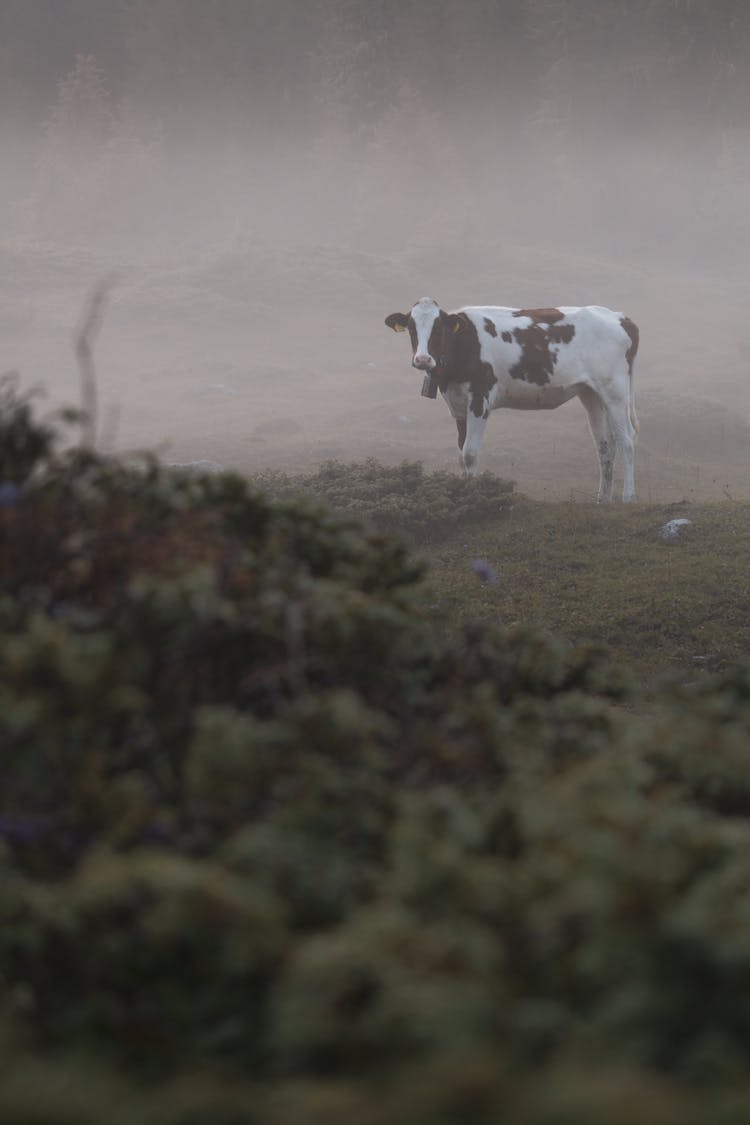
pixel 483 571
pixel 10 494
pixel 24 829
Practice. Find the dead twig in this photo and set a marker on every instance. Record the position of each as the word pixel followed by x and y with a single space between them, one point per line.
pixel 85 336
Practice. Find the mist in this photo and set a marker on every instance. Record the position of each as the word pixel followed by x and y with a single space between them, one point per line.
pixel 267 181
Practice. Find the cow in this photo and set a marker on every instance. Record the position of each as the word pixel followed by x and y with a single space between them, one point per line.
pixel 485 357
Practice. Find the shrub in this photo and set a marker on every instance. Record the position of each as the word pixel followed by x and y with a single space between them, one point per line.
pixel 272 838
pixel 404 499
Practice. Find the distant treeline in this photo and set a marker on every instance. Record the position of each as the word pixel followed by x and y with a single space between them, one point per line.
pixel 616 126
pixel 582 65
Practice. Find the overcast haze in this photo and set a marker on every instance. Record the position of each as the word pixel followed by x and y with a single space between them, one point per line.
pixel 270 179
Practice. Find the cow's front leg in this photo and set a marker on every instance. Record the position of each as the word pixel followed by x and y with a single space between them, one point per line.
pixel 476 420
pixel 461 433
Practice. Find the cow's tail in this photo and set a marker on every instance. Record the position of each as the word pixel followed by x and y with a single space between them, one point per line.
pixel 631 404
pixel 634 335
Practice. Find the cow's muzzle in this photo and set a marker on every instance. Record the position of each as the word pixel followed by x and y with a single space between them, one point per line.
pixel 423 362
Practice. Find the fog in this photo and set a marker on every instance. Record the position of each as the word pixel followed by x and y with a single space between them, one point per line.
pixel 265 182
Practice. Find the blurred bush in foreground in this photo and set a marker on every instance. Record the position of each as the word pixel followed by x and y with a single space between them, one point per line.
pixel 274 849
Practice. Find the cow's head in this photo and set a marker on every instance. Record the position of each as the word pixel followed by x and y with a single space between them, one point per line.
pixel 432 331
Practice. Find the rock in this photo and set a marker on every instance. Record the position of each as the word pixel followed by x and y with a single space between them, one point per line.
pixel 673 529
pixel 196 468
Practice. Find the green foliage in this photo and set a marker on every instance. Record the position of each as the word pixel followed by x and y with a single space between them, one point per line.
pixel 276 848
pixel 24 442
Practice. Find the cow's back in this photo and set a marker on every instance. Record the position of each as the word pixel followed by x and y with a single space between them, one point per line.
pixel 554 346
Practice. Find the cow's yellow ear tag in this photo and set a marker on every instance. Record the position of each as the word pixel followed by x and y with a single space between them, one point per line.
pixel 456 327
pixel 399 328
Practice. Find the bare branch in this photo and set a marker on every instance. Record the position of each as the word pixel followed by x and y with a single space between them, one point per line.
pixel 85 336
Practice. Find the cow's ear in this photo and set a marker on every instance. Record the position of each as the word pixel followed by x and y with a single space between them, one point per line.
pixel 456 323
pixel 397 321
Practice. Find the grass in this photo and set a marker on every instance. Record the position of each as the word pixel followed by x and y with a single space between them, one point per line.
pixel 581 571
pixel 588 573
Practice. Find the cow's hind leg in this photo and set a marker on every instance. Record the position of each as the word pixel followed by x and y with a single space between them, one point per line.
pixel 625 438
pixel 621 423
pixel 624 433
pixel 604 441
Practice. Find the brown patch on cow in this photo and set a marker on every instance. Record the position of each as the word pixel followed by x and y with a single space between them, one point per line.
pixel 489 326
pixel 632 330
pixel 537 361
pixel 507 337
pixel 454 345
pixel 541 316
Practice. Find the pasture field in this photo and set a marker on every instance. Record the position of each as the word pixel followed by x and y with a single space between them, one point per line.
pixel 594 574
pixel 583 572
